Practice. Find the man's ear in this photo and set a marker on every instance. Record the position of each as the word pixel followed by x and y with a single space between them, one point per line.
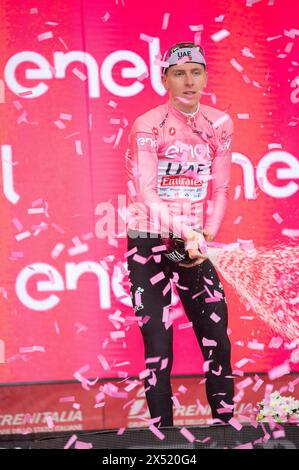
pixel 164 82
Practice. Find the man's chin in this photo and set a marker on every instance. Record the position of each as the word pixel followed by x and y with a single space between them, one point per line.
pixel 187 105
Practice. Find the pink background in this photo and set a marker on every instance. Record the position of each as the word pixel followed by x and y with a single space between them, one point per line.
pixel 49 172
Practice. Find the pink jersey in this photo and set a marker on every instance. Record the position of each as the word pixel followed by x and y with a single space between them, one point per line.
pixel 171 158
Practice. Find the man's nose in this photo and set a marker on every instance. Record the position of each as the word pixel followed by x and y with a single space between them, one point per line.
pixel 188 79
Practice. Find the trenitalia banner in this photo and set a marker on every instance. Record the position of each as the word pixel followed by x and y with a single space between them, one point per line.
pixel 74 75
pixel 64 407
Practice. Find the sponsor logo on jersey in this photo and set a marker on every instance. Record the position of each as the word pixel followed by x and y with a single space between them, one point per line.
pixel 197 151
pixel 146 143
pixel 185 181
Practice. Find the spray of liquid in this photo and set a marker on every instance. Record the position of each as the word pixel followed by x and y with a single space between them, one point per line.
pixel 266 279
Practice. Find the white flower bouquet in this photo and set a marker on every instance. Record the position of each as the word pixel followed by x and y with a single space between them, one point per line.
pixel 281 409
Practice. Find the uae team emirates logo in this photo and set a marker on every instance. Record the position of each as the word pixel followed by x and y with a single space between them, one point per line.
pixel 185 181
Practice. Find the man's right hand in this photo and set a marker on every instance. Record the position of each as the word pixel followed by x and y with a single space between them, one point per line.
pixel 192 245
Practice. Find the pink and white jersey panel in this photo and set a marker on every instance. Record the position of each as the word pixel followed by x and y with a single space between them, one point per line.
pixel 171 159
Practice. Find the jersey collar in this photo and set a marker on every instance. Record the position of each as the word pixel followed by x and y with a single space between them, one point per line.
pixel 187 118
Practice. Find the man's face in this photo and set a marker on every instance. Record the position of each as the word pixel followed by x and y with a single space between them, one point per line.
pixel 185 81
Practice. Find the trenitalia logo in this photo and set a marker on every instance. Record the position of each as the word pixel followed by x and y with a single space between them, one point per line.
pixel 45 70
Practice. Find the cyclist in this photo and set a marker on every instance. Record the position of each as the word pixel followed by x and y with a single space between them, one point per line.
pixel 175 149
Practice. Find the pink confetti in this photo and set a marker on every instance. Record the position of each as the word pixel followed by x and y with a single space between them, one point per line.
pixel 292 33
pixel 274 146
pixel 223 410
pixel 199 293
pixel 222 34
pixel 157 433
pixel 215 317
pixel 140 259
pixel 289 47
pixel 244 383
pixel 59 124
pixel 27 418
pixel 106 16
pixel 289 232
pixel 130 252
pixel 157 278
pixel 242 362
pixel 248 445
pixel 83 445
pixel 163 63
pixel 117 334
pixel 236 65
pixel 132 385
pixel 198 27
pixel 278 434
pixel 217 372
pixel 208 281
pixel 275 342
pixel 78 147
pixel 218 294
pixel 109 140
pixel 50 422
pixel 151 360
pixel 206 365
pixel 144 373
pixel 209 300
pixel 43 36
pixel 121 431
pixel 176 402
pixel 165 20
pixel 182 100
pixel 65 116
pixel 197 38
pixel 183 326
pixel 209 342
pixel 71 440
pixel 103 362
pixel 239 373
pixel 235 423
pixel 166 289
pixel 227 405
pixel 256 346
pixel 145 37
pixel 77 250
pixel 164 363
pixel 201 408
pixel 182 389
pixel 66 399
pixel 131 187
pixel 152 381
pixel 187 434
pixel 79 74
pixel 113 104
pixel 118 137
pixel 279 371
pixel 277 218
